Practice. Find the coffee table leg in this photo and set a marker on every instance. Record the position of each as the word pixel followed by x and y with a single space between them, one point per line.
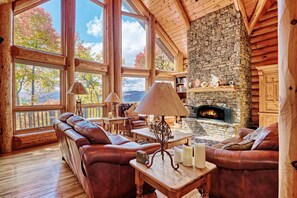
pixel 206 187
pixel 139 184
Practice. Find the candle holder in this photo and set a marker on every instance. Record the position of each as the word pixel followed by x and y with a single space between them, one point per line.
pixel 162 132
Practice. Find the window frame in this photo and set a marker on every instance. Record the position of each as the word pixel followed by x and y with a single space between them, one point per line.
pixel 104 35
pixel 19 109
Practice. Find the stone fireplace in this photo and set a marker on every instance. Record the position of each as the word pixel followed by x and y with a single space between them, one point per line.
pixel 219 57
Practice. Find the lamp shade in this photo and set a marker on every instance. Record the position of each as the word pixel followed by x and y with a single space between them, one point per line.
pixel 112 97
pixel 162 100
pixel 77 88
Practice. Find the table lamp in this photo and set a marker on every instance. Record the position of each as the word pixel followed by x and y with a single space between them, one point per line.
pixel 77 88
pixel 162 100
pixel 113 99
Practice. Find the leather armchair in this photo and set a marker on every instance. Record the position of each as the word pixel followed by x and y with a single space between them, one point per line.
pixel 142 121
pixel 247 173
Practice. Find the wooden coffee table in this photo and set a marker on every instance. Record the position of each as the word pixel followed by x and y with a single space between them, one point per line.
pixel 170 182
pixel 146 135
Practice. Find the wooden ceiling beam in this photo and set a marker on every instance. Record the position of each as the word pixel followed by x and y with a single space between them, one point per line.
pixel 182 13
pixel 240 6
pixel 255 16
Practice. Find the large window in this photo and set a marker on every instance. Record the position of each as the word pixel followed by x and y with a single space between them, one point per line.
pixel 133 42
pixel 89 31
pixel 39 27
pixel 164 59
pixel 92 101
pixel 133 89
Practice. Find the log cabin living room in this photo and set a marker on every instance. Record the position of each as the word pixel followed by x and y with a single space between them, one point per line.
pixel 148 98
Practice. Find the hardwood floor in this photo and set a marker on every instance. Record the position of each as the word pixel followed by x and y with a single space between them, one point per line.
pixel 37 172
pixel 40 172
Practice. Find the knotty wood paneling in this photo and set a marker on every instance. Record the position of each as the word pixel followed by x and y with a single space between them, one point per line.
pixel 264 41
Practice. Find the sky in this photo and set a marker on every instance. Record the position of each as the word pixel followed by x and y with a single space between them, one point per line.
pixel 89 20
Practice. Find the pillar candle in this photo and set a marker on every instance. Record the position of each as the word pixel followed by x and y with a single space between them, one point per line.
pixel 199 155
pixel 178 155
pixel 187 156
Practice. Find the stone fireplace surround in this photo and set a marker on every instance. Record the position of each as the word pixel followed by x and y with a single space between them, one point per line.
pixel 218 46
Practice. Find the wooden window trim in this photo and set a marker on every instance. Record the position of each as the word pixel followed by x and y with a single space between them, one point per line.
pixel 20 6
pixel 138 16
pixel 36 56
pixel 99 3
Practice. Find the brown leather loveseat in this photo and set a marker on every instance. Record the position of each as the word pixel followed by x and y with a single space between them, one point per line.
pixel 99 159
pixel 251 173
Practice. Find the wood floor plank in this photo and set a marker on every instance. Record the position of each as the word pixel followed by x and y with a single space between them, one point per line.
pixel 37 172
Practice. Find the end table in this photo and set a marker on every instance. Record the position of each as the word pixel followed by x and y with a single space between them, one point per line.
pixel 170 182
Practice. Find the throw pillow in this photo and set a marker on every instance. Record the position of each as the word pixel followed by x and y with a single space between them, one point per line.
pixel 130 112
pixel 244 145
pixel 253 135
pixel 94 133
pixel 267 139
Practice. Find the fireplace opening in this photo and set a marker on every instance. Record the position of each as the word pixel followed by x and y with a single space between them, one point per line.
pixel 211 112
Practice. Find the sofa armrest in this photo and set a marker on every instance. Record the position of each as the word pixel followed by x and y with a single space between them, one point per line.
pixel 244 131
pixel 115 154
pixel 243 160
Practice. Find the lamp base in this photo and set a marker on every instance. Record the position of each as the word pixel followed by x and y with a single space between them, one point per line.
pixel 78 108
pixel 149 164
pixel 162 132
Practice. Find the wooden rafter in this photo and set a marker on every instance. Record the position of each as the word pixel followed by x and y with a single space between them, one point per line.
pixel 240 6
pixel 257 12
pixel 182 13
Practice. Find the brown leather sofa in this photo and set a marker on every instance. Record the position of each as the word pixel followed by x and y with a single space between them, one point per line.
pixel 246 173
pixel 97 158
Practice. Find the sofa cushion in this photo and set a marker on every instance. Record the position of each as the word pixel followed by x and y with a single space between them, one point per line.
pixel 244 145
pixel 267 139
pixel 74 119
pixel 63 117
pixel 94 133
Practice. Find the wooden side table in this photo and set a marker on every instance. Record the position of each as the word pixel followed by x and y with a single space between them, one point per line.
pixel 114 123
pixel 170 182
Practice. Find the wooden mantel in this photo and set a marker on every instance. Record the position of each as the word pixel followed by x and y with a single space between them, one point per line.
pixel 212 89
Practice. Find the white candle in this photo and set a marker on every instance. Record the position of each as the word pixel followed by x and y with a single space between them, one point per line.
pixel 178 155
pixel 187 156
pixel 199 155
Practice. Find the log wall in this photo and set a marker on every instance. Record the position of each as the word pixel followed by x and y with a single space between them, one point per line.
pixel 264 42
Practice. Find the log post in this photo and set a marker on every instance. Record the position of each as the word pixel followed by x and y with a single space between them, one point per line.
pixel 117 27
pixel 287 54
pixel 70 50
pixel 179 62
pixel 6 126
pixel 150 52
pixel 109 47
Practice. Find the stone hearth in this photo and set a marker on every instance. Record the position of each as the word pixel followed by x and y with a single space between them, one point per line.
pixel 219 48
